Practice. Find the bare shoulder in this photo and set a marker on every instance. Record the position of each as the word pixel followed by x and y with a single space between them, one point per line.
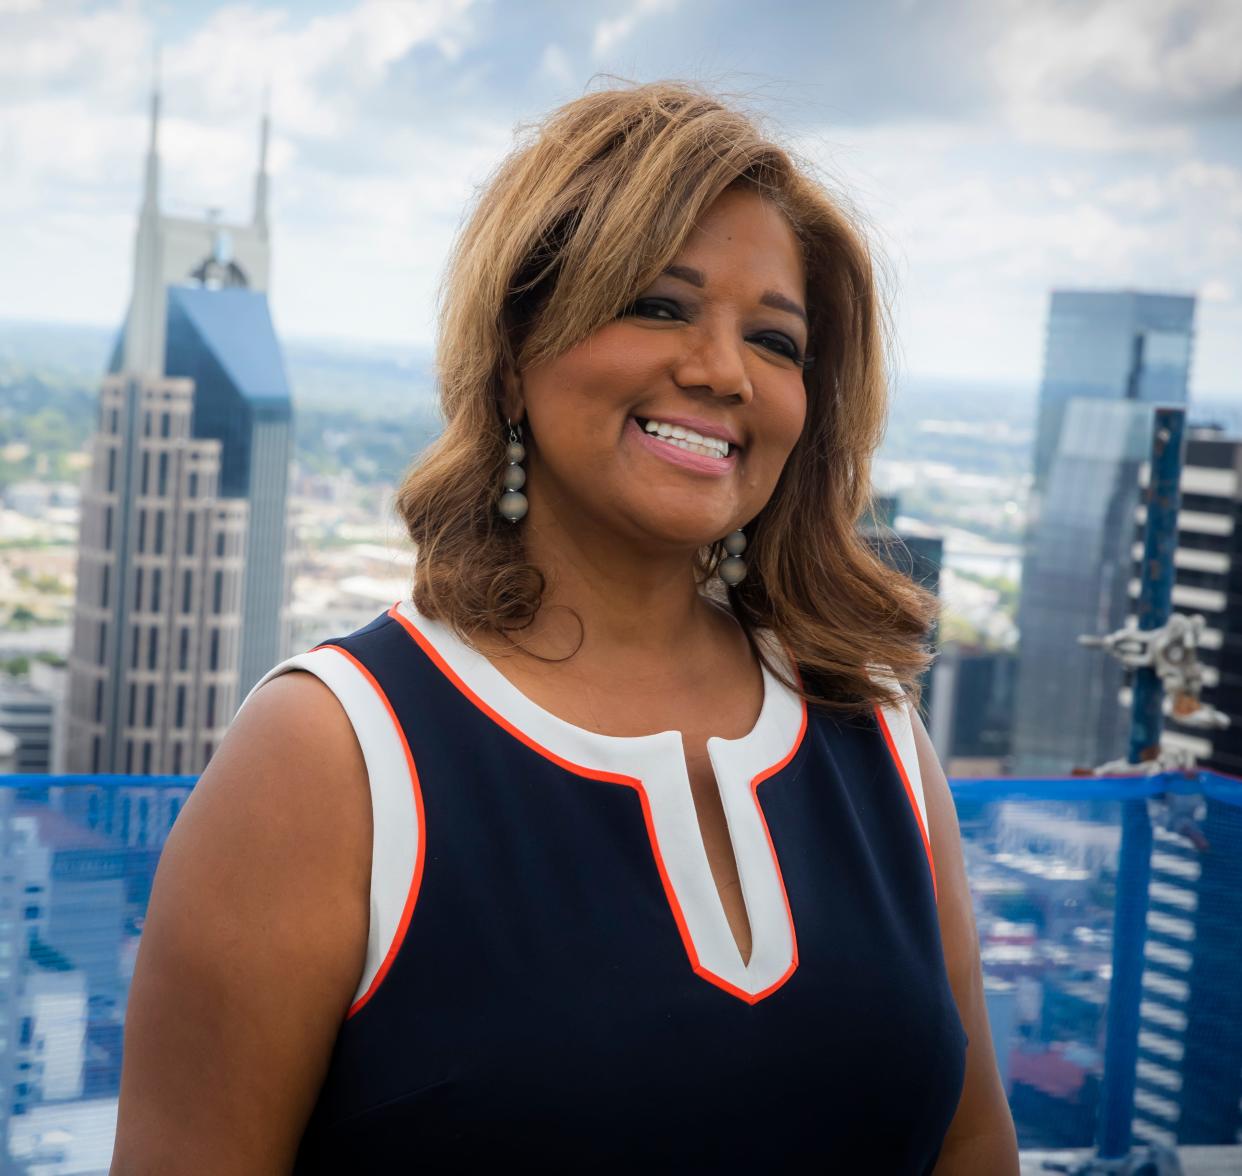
pixel 981 1137
pixel 254 943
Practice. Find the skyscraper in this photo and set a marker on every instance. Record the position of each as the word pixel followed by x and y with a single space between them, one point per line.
pixel 181 581
pixel 1110 345
pixel 1189 1081
pixel 1110 357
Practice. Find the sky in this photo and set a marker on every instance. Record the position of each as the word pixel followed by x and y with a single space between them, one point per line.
pixel 994 149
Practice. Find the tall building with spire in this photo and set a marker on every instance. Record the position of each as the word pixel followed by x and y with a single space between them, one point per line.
pixel 181 580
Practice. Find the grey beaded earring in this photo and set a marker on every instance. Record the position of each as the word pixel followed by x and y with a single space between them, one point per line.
pixel 513 503
pixel 733 568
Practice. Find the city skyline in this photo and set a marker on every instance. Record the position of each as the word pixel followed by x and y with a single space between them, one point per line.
pixel 998 151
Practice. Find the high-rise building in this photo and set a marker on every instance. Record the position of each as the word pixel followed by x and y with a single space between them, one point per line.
pixel 1189 1081
pixel 30 708
pixel 1110 357
pixel 181 578
pixel 1110 345
pixel 973 718
pixel 917 550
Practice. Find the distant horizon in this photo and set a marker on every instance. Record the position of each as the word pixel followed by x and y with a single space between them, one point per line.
pixel 395 349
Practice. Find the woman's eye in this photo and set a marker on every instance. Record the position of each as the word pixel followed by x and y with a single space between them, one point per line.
pixel 656 308
pixel 780 344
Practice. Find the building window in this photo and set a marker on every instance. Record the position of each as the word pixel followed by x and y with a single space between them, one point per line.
pixel 176 771
pixel 146 471
pixel 111 469
pixel 180 712
pixel 190 520
pixel 133 653
pixel 183 653
pixel 96 752
pixel 98 703
pixel 138 590
pixel 186 585
pixel 157 577
pixel 116 421
pixel 217 592
pixel 219 543
pixel 213 659
pixel 104 576
pixel 163 429
pixel 133 702
pixel 162 483
pixel 129 755
pixel 142 530
pixel 146 424
pixel 159 532
pixel 103 641
pixel 153 647
pixel 192 491
pixel 146 759
pixel 107 528
pixel 211 706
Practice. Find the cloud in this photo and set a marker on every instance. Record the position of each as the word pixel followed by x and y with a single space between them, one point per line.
pixel 554 66
pixel 609 34
pixel 1120 75
pixel 996 147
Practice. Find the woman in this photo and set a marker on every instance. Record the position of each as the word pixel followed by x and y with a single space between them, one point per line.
pixel 620 845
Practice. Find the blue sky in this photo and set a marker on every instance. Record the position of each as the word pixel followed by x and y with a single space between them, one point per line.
pixel 995 148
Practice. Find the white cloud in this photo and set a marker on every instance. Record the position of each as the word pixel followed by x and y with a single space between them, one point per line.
pixel 1065 180
pixel 974 250
pixel 609 34
pixel 1114 75
pixel 555 67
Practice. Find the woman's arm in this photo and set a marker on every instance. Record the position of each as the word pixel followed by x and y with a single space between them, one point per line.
pixel 254 943
pixel 981 1140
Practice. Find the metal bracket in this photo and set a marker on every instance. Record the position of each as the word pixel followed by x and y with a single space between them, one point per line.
pixel 1172 651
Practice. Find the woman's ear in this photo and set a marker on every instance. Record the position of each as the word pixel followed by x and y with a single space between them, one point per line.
pixel 511 402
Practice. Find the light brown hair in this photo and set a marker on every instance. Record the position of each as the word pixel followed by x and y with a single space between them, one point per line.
pixel 575 222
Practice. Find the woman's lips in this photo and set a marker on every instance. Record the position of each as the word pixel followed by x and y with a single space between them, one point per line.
pixel 697 462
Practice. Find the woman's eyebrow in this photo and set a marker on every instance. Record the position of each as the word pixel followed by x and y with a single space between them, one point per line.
pixel 778 301
pixel 772 298
pixel 686 274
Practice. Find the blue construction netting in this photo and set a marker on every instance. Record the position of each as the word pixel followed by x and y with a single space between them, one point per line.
pixel 80 852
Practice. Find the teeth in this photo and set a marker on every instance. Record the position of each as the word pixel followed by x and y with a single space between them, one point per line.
pixel 688 439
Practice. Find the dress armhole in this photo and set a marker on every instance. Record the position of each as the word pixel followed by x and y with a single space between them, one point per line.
pixel 898 730
pixel 396 803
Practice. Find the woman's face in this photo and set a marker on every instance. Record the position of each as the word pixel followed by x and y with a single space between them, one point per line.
pixel 711 348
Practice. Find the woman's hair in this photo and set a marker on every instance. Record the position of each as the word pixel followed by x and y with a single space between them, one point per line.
pixel 574 224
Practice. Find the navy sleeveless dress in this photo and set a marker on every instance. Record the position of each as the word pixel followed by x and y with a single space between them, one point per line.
pixel 551 983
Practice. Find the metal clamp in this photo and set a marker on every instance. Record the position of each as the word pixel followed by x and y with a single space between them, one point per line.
pixel 1172 651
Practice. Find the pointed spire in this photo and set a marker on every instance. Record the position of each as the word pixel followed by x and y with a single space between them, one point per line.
pixel 260 181
pixel 144 325
pixel 151 188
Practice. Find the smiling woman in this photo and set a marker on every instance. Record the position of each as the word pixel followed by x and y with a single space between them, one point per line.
pixel 584 857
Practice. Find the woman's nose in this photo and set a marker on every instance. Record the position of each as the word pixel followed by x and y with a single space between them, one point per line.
pixel 716 363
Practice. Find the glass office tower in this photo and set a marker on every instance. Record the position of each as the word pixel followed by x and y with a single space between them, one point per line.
pixel 1110 356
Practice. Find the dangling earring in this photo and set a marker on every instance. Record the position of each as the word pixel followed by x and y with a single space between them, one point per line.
pixel 733 569
pixel 513 504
